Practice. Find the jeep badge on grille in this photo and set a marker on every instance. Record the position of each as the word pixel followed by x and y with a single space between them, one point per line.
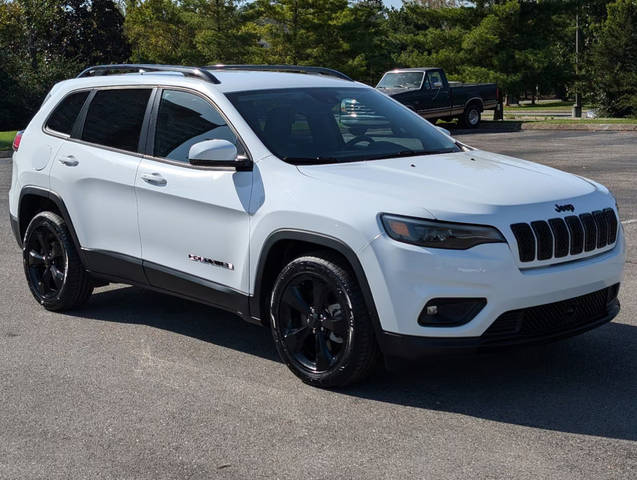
pixel 564 208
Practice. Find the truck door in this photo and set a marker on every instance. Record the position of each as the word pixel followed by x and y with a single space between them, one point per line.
pixel 439 94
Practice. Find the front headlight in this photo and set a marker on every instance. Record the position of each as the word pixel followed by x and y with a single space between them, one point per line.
pixel 429 233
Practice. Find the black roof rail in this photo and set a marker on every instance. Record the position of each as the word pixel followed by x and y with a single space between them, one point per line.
pixel 284 68
pixel 197 72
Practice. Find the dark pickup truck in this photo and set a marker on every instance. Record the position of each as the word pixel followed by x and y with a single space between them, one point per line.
pixel 427 92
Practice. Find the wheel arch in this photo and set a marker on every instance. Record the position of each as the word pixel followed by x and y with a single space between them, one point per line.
pixel 34 200
pixel 474 101
pixel 281 246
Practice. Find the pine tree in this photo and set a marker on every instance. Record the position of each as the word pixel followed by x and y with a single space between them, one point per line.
pixel 615 61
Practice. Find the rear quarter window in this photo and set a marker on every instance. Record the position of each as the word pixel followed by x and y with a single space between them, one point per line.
pixel 64 115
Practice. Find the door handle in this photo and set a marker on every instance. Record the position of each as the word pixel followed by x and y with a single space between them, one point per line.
pixel 154 179
pixel 69 161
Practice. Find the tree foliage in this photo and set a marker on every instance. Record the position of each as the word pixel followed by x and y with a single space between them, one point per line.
pixel 44 41
pixel 615 60
pixel 527 47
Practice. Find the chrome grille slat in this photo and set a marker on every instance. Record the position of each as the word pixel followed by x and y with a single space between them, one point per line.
pixel 576 232
pixel 544 239
pixel 602 228
pixel 611 220
pixel 526 241
pixel 561 237
pixel 560 234
pixel 590 231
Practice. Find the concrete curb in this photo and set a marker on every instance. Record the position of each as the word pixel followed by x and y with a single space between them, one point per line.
pixel 5 153
pixel 591 127
pixel 517 125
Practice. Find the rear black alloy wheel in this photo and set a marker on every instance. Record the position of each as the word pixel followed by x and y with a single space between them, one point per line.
pixel 55 274
pixel 320 324
pixel 46 261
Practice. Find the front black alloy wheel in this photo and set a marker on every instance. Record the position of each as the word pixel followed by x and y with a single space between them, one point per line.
pixel 320 323
pixel 312 323
pixel 53 269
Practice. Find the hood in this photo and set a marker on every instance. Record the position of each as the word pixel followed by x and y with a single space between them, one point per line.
pixel 450 186
pixel 396 91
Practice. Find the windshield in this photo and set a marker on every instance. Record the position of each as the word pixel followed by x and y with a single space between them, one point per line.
pixel 401 80
pixel 327 125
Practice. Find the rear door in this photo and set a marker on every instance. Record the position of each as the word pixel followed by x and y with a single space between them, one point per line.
pixel 194 221
pixel 94 173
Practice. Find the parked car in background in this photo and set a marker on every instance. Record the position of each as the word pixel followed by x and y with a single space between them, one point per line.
pixel 428 92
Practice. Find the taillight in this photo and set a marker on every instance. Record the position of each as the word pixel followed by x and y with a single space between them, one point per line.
pixel 17 140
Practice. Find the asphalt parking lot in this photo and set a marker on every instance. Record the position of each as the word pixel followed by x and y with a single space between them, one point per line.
pixel 141 385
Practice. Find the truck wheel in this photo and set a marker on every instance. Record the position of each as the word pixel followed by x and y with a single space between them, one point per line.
pixel 471 116
pixel 320 323
pixel 53 268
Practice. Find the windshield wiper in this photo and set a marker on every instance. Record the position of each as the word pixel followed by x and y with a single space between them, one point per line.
pixel 311 160
pixel 380 156
pixel 408 153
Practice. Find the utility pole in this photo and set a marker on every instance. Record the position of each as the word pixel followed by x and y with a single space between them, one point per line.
pixel 577 108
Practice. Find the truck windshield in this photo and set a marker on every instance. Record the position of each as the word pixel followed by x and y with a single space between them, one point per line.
pixel 330 125
pixel 401 80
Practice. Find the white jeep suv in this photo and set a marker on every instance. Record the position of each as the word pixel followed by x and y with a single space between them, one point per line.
pixel 256 189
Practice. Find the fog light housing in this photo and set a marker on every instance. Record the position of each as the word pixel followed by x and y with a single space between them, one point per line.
pixel 450 312
pixel 613 292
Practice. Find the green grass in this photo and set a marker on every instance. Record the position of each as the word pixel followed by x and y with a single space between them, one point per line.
pixel 6 140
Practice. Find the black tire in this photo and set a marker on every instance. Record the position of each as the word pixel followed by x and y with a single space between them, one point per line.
pixel 339 316
pixel 55 274
pixel 471 116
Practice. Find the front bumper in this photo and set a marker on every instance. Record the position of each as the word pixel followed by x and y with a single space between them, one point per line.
pixel 403 278
pixel 15 227
pixel 529 328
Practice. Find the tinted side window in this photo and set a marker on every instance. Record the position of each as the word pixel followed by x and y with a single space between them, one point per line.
pixel 185 119
pixel 64 115
pixel 436 79
pixel 115 117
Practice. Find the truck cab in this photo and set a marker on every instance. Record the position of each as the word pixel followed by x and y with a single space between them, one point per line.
pixel 428 92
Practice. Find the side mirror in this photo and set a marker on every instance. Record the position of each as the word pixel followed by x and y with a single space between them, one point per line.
pixel 217 153
pixel 212 151
pixel 444 130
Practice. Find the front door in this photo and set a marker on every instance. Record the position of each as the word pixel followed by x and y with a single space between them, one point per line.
pixel 193 221
pixel 438 103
